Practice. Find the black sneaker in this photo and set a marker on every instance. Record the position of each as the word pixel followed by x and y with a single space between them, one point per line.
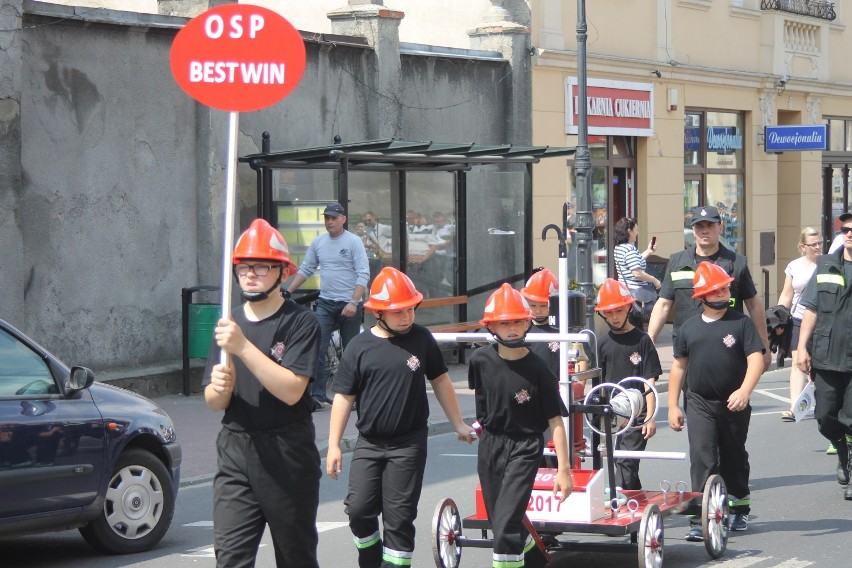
pixel 695 534
pixel 739 523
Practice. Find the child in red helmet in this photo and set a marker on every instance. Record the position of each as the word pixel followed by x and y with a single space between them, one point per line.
pixel 627 351
pixel 268 463
pixel 385 370
pixel 721 353
pixel 517 398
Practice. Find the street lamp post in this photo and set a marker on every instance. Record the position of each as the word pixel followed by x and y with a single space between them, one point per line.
pixel 582 166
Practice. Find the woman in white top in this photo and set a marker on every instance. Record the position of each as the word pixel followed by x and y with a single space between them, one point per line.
pixel 630 264
pixel 798 273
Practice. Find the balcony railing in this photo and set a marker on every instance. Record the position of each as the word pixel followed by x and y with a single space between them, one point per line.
pixel 813 8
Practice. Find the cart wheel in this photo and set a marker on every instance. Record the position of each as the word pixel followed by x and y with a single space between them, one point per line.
pixel 715 516
pixel 446 528
pixel 651 538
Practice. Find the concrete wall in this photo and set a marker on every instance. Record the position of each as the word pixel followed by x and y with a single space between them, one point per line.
pixel 113 178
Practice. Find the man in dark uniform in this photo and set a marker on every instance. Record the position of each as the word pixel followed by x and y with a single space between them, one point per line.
pixel 677 284
pixel 827 299
pixel 268 463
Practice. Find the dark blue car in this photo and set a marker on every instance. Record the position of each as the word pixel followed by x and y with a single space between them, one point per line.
pixel 79 454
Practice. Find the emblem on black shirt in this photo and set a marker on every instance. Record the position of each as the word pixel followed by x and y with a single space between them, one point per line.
pixel 553 346
pixel 522 396
pixel 635 358
pixel 413 363
pixel 729 340
pixel 277 351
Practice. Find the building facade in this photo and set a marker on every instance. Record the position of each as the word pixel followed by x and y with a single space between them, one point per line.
pixel 679 94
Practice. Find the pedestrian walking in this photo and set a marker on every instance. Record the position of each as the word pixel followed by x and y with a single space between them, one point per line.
pixel 516 401
pixel 268 465
pixel 796 275
pixel 385 371
pixel 719 353
pixel 627 351
pixel 345 272
pixel 630 267
pixel 826 323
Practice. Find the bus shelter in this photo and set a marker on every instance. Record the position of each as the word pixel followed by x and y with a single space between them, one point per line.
pixel 455 217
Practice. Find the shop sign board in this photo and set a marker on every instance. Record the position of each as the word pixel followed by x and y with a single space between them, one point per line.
pixel 238 57
pixel 614 108
pixel 800 137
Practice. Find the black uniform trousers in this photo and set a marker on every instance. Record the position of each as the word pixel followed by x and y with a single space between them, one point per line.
pixel 507 466
pixel 385 478
pixel 717 439
pixel 833 395
pixel 267 477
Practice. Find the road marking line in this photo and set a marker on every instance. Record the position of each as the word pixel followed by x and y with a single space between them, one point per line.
pixel 330 526
pixel 206 552
pixel 321 526
pixel 741 561
pixel 794 563
pixel 773 395
pixel 459 455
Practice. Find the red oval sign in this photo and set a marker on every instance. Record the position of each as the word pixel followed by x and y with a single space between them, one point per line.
pixel 238 57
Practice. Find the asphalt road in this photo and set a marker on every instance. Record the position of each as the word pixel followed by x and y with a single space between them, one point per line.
pixel 799 517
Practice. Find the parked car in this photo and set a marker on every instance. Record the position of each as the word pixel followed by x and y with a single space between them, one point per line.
pixel 80 454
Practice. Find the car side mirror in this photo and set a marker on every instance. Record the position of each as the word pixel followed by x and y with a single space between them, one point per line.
pixel 81 378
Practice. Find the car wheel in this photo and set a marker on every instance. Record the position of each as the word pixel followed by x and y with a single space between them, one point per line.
pixel 138 508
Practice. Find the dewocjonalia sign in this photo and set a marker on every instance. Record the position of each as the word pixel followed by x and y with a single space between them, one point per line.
pixel 238 57
pixel 801 137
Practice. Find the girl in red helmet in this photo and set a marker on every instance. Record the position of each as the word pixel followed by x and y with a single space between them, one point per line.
pixel 385 371
pixel 627 351
pixel 268 463
pixel 517 399
pixel 721 354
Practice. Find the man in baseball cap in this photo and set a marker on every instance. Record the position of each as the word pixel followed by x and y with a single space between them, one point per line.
pixel 705 213
pixel 334 210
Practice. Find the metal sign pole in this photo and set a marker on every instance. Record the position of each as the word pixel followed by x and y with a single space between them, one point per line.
pixel 582 168
pixel 230 207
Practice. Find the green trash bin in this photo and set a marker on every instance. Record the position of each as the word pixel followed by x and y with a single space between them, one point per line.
pixel 202 322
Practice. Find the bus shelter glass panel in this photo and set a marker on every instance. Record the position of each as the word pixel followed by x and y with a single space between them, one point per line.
pixel 373 216
pixel 431 221
pixel 495 230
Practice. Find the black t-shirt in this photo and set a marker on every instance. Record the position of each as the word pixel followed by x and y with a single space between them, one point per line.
pixel 512 397
pixel 289 337
pixel 717 352
pixel 630 354
pixel 549 351
pixel 388 377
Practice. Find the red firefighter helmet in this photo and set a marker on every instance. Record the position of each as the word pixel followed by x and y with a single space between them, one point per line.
pixel 540 286
pixel 612 295
pixel 505 304
pixel 708 278
pixel 392 290
pixel 262 241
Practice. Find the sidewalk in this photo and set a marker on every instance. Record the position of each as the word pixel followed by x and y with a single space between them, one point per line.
pixel 197 426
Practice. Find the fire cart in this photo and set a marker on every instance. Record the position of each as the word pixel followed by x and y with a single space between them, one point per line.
pixel 593 508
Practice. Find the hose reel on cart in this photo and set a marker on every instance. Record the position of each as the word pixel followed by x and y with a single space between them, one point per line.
pixel 625 406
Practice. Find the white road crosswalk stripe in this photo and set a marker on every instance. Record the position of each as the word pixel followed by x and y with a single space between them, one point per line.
pixel 329 526
pixel 772 395
pixel 794 563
